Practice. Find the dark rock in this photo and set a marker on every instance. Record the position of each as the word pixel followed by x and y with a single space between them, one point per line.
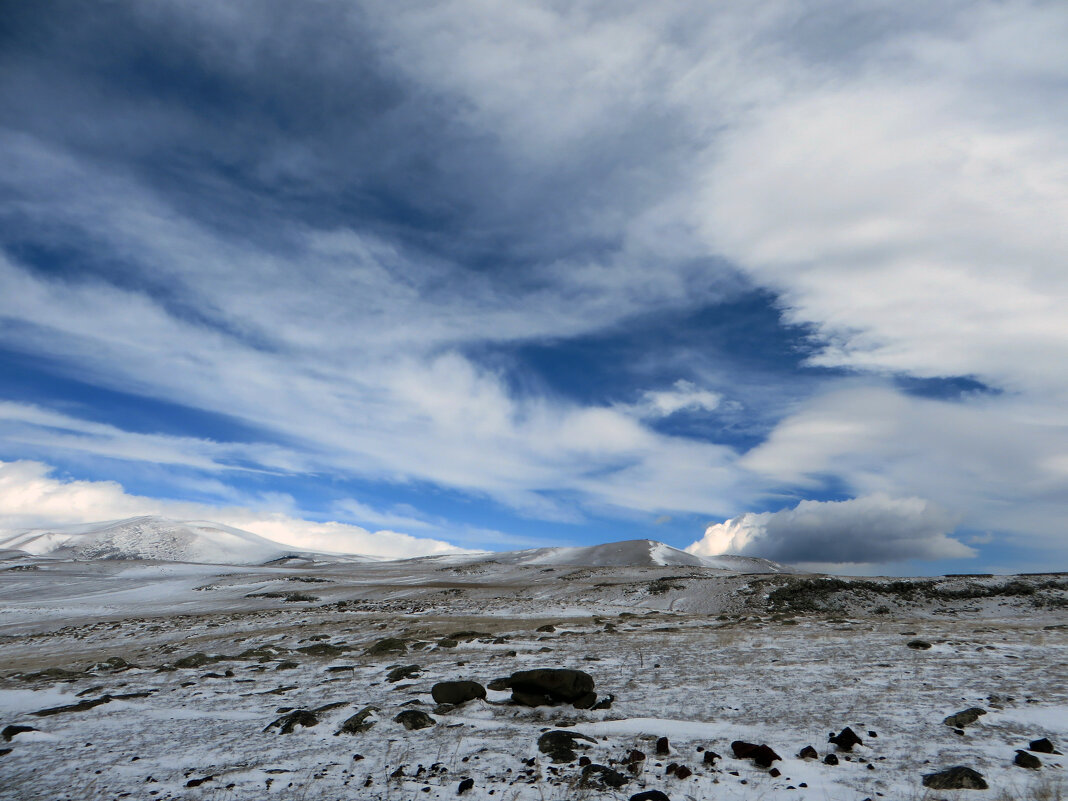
pixel 604 703
pixel 808 752
pixel 499 684
pixel 11 731
pixel 1043 746
pixel 198 782
pixel 298 717
pixel 403 672
pixel 918 645
pixel 775 773
pixel 962 719
pixel 957 778
pixel 663 747
pixel 584 761
pixel 601 777
pixel 634 761
pixel 323 649
pixel 762 755
pixel 5 751
pixel 650 795
pixel 448 642
pixel 671 768
pixel 550 685
pixel 560 745
pixel 830 759
pixel 548 627
pixel 414 719
pixel 683 772
pixel 285 664
pixel 194 661
pixel 81 706
pixel 467 636
pixel 387 645
pixel 710 757
pixel 457 692
pixel 845 740
pixel 1026 760
pixel 872 734
pixel 465 785
pixel 360 722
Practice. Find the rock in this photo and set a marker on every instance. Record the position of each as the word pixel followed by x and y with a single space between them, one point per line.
pixel 457 692
pixel 1043 746
pixel 1026 760
pixel 762 755
pixel 683 772
pixel 710 757
pixel 465 785
pixel 808 752
pixel 601 777
pixel 362 721
pixel 663 746
pixel 962 719
pixel 81 706
pixel 650 795
pixel 499 684
pixel 548 627
pixel 414 719
pixel 387 645
pixel 448 642
pixel 285 664
pixel 830 759
pixel 956 778
pixel 918 645
pixel 560 745
pixel 403 672
pixel 634 761
pixel 298 717
pixel 545 686
pixel 776 773
pixel 11 731
pixel 845 740
pixel 467 636
pixel 194 661
pixel 323 649
pixel 604 703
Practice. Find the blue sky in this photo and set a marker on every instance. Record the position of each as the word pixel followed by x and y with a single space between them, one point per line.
pixel 785 280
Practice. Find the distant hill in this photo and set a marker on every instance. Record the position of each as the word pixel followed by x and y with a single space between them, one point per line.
pixel 150 537
pixel 634 553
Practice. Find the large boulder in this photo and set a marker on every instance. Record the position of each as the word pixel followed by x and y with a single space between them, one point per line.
pixel 546 686
pixel 362 721
pixel 289 722
pixel 845 740
pixel 457 692
pixel 762 755
pixel 956 778
pixel 414 719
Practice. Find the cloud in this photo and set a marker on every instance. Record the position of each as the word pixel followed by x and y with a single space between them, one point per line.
pixel 875 528
pixel 684 396
pixel 31 497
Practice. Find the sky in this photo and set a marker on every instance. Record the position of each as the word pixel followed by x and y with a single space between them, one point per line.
pixel 785 279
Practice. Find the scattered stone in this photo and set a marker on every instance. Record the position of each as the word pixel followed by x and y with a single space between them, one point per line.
pixel 465 785
pixel 285 664
pixel 196 660
pixel 683 772
pixel 762 755
pixel 663 747
pixel 546 686
pixel 650 795
pixel 601 777
pixel 341 669
pixel 634 761
pixel 845 740
pixel 387 645
pixel 548 627
pixel 457 692
pixel 414 719
pixel 710 757
pixel 775 773
pixel 198 782
pixel 499 684
pixel 830 759
pixel 1026 760
pixel 604 703
pixel 918 645
pixel 560 745
pixel 289 722
pixel 808 752
pixel 956 778
pixel 1043 746
pixel 872 734
pixel 448 642
pixel 962 719
pixel 403 672
pixel 467 636
pixel 6 751
pixel 11 731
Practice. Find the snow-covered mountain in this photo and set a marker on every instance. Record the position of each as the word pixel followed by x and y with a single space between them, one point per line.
pixel 634 553
pixel 150 537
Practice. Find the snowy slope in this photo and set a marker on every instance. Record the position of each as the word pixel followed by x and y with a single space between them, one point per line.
pixel 150 537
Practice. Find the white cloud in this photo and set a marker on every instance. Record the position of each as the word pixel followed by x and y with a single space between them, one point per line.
pixel 872 529
pixel 31 497
pixel 683 396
